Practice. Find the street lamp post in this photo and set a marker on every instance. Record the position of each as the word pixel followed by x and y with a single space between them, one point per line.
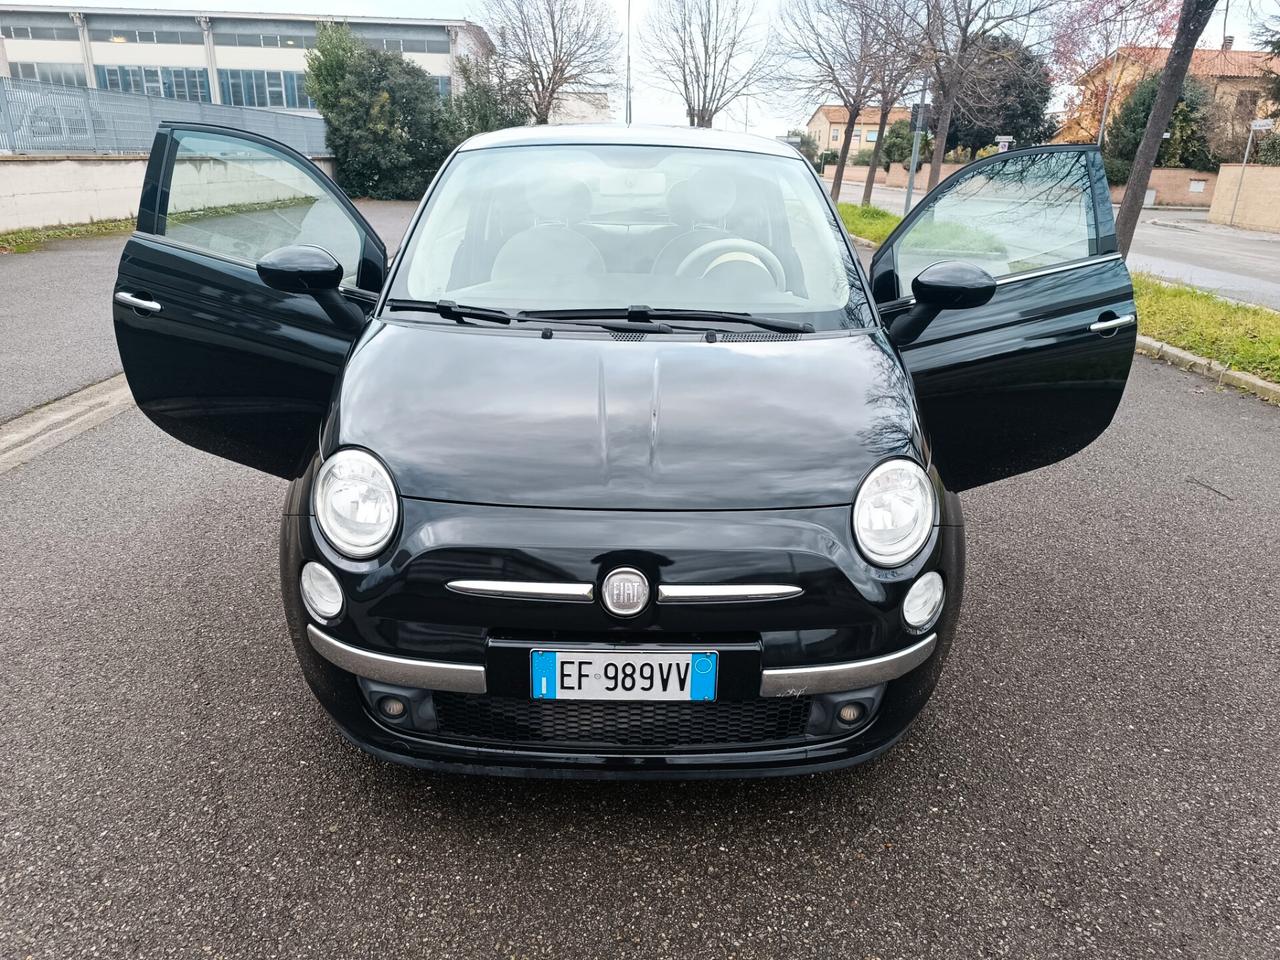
pixel 916 135
pixel 628 90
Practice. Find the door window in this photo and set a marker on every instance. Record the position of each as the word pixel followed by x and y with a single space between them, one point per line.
pixel 1023 213
pixel 240 199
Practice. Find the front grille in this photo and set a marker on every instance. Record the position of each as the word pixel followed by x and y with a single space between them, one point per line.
pixel 584 724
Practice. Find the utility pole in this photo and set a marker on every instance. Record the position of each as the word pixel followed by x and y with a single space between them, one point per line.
pixel 916 135
pixel 628 90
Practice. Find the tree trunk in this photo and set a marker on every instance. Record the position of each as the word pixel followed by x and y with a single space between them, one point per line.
pixel 843 156
pixel 874 165
pixel 940 140
pixel 1192 20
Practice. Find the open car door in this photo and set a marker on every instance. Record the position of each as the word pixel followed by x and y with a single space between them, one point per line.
pixel 213 355
pixel 1036 374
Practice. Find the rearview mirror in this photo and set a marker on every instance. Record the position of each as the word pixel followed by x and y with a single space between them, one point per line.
pixel 945 285
pixel 305 268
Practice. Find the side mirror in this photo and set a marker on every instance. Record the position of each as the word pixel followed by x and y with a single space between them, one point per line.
pixel 305 268
pixel 946 285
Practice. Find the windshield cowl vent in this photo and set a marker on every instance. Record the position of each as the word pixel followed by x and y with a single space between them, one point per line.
pixel 740 337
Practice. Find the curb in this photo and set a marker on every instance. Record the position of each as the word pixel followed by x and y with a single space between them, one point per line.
pixel 1216 229
pixel 1211 369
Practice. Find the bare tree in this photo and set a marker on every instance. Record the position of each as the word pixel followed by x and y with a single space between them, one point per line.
pixel 896 66
pixel 826 49
pixel 1192 20
pixel 706 52
pixel 956 36
pixel 548 47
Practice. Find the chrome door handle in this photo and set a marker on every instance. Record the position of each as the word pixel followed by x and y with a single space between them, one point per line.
pixel 1101 326
pixel 129 300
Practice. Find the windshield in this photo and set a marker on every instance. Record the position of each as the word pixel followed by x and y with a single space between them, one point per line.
pixel 612 226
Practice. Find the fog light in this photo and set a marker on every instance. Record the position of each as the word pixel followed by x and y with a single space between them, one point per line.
pixel 923 603
pixel 851 713
pixel 392 707
pixel 321 592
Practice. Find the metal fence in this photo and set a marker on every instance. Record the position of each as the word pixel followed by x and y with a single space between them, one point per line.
pixel 40 117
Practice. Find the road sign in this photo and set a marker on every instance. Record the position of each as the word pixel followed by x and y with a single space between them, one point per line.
pixel 1002 144
pixel 1262 125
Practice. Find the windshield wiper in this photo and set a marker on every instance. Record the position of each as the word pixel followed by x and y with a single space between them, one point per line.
pixel 598 318
pixel 654 315
pixel 457 312
pixel 776 324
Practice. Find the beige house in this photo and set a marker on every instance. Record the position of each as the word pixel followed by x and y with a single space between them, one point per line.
pixel 1236 79
pixel 829 125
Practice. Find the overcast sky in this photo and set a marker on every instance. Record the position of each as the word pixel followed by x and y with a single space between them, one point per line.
pixel 650 104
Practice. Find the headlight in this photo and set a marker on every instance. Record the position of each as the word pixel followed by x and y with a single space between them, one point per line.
pixel 893 512
pixel 355 503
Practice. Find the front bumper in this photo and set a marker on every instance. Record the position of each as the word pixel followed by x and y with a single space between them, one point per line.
pixel 461 662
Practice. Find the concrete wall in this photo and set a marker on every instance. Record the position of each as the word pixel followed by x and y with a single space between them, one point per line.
pixel 48 191
pixel 1259 207
pixel 896 177
pixel 1176 187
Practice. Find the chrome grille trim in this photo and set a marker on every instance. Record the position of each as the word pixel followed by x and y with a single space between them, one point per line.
pixel 525 590
pixel 838 677
pixel 403 671
pixel 725 592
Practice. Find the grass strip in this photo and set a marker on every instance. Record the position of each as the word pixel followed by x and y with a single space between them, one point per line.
pixel 1242 337
pixel 869 223
pixel 24 241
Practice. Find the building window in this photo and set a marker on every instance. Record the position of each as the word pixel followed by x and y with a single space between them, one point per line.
pixel 297 41
pixel 402 45
pixel 146 36
pixel 835 135
pixel 171 83
pixel 1247 104
pixel 40 33
pixel 67 74
pixel 444 86
pixel 265 88
pixel 872 135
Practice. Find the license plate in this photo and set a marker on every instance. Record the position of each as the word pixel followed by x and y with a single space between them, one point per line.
pixel 622 675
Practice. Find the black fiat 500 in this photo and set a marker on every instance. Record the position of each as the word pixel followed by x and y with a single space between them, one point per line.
pixel 623 465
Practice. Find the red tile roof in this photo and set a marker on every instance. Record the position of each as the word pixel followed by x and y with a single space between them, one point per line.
pixel 1211 63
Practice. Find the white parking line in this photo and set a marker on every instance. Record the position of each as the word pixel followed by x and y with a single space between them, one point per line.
pixel 33 434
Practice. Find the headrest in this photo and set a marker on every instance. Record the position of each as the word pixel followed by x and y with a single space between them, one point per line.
pixel 566 201
pixel 712 194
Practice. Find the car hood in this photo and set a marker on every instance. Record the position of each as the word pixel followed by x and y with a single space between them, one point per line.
pixel 593 422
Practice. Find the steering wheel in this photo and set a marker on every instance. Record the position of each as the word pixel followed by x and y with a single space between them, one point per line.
pixel 728 250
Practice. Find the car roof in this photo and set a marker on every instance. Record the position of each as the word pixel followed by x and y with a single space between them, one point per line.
pixel 570 134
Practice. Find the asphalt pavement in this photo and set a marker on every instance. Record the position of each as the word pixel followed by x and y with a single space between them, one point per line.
pixel 1096 775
